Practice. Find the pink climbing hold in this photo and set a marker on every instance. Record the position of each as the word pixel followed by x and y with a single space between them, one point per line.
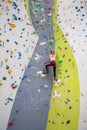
pixel 37 21
pixel 49 8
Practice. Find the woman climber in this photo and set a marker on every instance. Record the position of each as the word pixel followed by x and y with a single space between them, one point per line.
pixel 52 59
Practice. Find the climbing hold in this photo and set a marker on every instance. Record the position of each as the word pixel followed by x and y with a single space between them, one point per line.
pixel 77 99
pixel 14 17
pixel 67 122
pixel 37 109
pixel 37 57
pixel 48 24
pixel 9 99
pixel 57 82
pixel 38 90
pixel 9 70
pixel 7 67
pixel 11 52
pixel 10 123
pixel 4 78
pixel 16 42
pixel 35 75
pixel 28 80
pixel 69 91
pixel 24 77
pixel 36 10
pixel 60 60
pixel 19 53
pixel 23 29
pixel 15 5
pixel 49 8
pixel 14 86
pixel 62 122
pixel 0 83
pixel 6 60
pixel 82 94
pixel 45 86
pixel 50 41
pixel 70 107
pixel 38 4
pixel 34 33
pixel 40 73
pixel 10 1
pixel 40 25
pixel 56 94
pixel 37 21
pixel 42 43
pixel 1 41
pixel 17 111
pixel 12 25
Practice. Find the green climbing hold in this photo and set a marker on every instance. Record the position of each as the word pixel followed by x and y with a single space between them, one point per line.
pixel 38 4
pixel 50 41
pixel 35 75
pixel 36 10
pixel 40 25
pixel 34 33
pixel 48 24
pixel 62 122
pixel 60 60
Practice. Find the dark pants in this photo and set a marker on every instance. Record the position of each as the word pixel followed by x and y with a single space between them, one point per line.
pixel 53 64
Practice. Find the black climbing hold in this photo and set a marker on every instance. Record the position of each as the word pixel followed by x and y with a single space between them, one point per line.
pixel 4 78
pixel 70 107
pixel 68 90
pixel 7 40
pixel 68 122
pixel 7 67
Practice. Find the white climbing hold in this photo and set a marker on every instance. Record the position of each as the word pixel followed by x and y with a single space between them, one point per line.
pixel 56 94
pixel 40 73
pixel 42 43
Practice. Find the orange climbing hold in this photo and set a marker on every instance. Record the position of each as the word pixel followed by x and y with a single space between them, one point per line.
pixel 0 83
pixel 12 25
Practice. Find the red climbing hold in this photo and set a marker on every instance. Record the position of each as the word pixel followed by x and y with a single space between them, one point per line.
pixel 10 123
pixel 13 87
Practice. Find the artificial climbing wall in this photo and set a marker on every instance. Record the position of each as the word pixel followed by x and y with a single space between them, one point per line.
pixel 28 31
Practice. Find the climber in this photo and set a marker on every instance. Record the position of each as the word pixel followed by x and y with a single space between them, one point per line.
pixel 52 62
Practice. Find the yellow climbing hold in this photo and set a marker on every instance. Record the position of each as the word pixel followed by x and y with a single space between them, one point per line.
pixel 12 25
pixel 1 41
pixel 11 52
pixel 6 60
pixel 10 1
pixel 9 71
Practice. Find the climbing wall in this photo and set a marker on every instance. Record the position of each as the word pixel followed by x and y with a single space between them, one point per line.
pixel 72 20
pixel 17 43
pixel 28 31
pixel 36 93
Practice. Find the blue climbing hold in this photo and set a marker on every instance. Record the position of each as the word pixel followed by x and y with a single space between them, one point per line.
pixel 24 77
pixel 15 17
